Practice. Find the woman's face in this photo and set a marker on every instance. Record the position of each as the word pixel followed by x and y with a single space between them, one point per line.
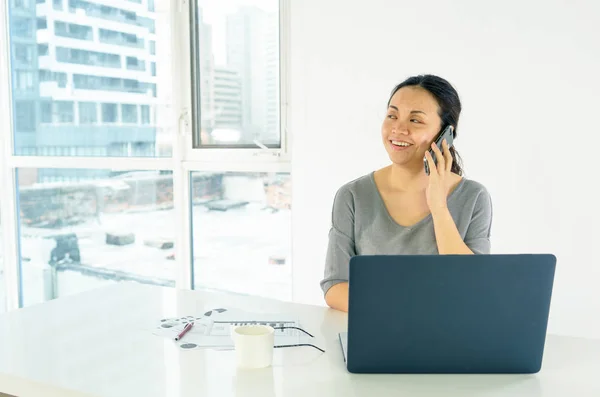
pixel 410 126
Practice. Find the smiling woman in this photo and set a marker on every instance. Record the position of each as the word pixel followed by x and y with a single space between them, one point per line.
pixel 436 105
pixel 400 209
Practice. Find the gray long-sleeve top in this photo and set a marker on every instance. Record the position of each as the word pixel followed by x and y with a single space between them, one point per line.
pixel 362 225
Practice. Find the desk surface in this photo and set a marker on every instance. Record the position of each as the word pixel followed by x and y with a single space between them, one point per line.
pixel 100 344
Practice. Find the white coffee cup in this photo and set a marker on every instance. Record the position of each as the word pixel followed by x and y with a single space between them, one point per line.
pixel 253 345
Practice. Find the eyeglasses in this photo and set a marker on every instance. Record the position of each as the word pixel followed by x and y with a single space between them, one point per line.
pixel 210 312
pixel 299 344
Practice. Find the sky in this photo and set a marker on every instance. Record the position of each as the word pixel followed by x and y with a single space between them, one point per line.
pixel 215 14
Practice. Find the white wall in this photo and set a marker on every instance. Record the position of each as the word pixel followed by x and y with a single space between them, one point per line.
pixel 528 76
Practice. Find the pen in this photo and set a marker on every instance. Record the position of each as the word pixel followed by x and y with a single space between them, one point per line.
pixel 184 331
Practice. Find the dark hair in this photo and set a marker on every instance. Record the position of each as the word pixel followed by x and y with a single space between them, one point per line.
pixel 448 102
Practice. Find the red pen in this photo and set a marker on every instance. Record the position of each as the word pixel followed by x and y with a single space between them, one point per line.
pixel 184 331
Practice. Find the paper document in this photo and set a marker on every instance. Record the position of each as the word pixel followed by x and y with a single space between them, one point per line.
pixel 214 330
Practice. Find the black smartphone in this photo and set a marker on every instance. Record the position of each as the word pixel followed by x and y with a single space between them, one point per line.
pixel 447 134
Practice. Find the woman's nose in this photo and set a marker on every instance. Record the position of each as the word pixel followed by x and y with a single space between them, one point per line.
pixel 399 128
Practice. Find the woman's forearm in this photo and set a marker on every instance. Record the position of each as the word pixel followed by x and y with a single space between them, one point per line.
pixel 447 236
pixel 337 297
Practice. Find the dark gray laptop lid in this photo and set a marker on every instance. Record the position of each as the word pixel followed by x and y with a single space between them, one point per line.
pixel 448 313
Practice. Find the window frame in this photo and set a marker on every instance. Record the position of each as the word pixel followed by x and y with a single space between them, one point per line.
pixel 182 163
pixel 278 158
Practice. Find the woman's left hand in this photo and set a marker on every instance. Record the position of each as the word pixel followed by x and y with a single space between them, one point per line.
pixel 440 178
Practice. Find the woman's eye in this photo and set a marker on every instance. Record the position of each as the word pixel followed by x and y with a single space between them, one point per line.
pixel 391 116
pixel 415 121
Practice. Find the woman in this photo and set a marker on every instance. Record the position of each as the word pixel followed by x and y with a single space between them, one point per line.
pixel 399 209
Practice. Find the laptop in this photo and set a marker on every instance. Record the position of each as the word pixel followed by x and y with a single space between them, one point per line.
pixel 448 313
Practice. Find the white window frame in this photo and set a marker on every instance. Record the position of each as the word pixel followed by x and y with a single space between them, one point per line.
pixel 184 159
pixel 278 159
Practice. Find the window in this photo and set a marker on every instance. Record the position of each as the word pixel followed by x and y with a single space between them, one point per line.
pixel 112 13
pixel 63 112
pixel 135 64
pixel 46 75
pixel 57 112
pixel 59 77
pixel 24 81
pixel 23 53
pixel 129 114
pixel 88 113
pixel 95 227
pixel 89 82
pixel 42 49
pixel 74 31
pixel 45 112
pixel 22 4
pixel 84 86
pixel 121 38
pixel 109 113
pixel 22 27
pixel 57 4
pixel 141 149
pixel 91 58
pixel 145 109
pixel 42 24
pixel 25 116
pixel 242 227
pixel 250 51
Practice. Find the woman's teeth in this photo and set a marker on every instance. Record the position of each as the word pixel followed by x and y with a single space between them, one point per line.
pixel 398 143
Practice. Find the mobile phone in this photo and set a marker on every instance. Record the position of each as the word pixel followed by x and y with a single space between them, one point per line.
pixel 447 134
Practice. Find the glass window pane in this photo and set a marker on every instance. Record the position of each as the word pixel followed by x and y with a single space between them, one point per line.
pixel 72 30
pixel 25 116
pixel 121 38
pixel 237 74
pixel 109 113
pixel 24 81
pixel 88 113
pixel 87 51
pixel 129 113
pixel 242 232
pixel 134 63
pixel 22 27
pixel 22 4
pixel 45 112
pixel 63 112
pixel 145 114
pixel 24 53
pixel 43 49
pixel 82 229
pixel 42 23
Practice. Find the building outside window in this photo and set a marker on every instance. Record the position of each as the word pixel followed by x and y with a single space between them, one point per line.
pixel 100 91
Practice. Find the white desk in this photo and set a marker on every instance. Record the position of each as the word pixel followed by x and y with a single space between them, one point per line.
pixel 100 344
